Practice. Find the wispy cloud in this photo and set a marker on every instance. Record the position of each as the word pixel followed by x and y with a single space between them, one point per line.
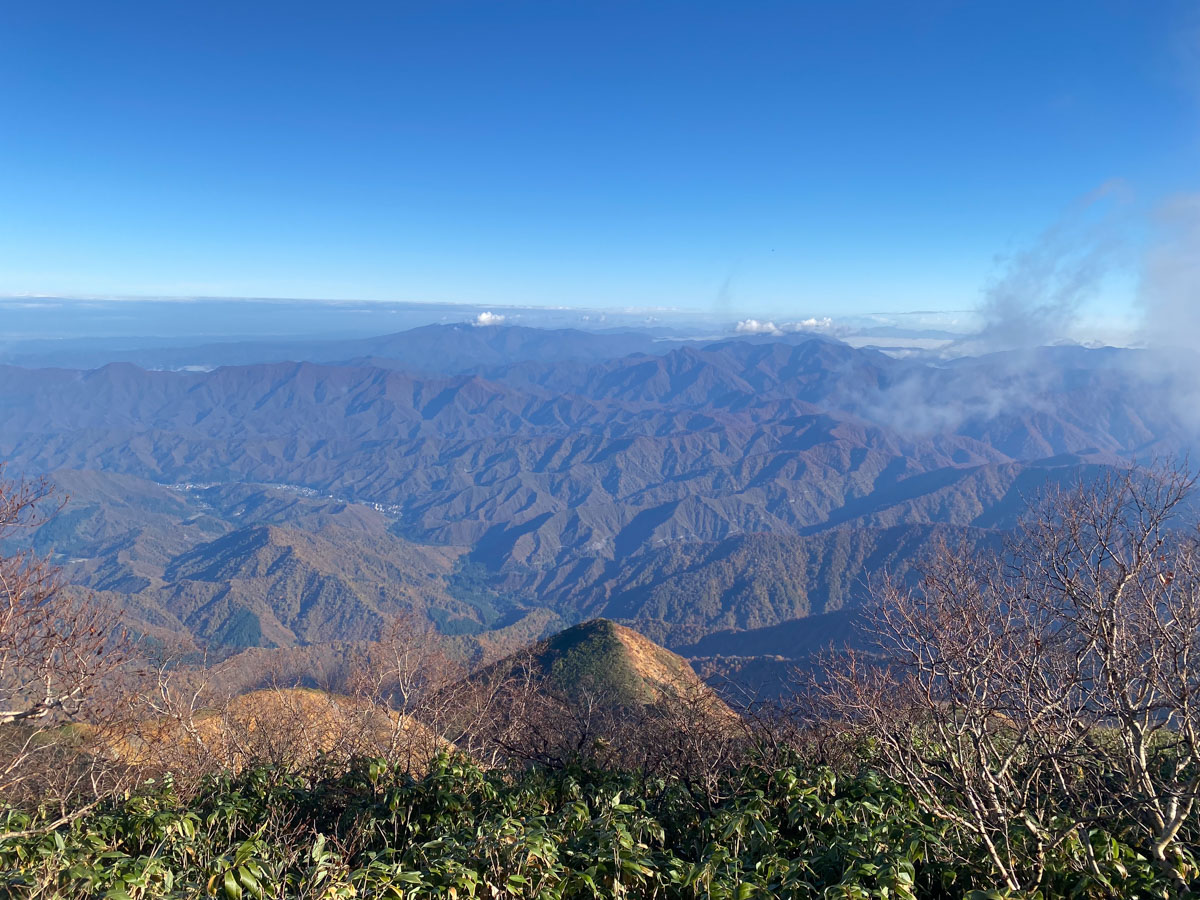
pixel 1036 296
pixel 1169 289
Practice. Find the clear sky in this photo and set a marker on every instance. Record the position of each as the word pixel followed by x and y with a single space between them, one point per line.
pixel 756 157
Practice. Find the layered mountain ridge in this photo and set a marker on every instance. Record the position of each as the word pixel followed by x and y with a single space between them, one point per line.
pixel 696 490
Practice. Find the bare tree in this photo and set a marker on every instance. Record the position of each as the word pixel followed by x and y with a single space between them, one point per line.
pixel 1121 579
pixel 1029 695
pixel 410 692
pixel 61 660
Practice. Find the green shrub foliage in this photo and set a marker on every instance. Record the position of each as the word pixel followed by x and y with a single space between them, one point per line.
pixel 465 832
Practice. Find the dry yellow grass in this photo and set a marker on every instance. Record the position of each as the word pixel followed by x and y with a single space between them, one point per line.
pixel 289 726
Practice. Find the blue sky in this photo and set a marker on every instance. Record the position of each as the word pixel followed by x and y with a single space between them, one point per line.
pixel 779 158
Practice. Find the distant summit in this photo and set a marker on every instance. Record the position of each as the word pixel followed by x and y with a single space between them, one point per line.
pixel 601 659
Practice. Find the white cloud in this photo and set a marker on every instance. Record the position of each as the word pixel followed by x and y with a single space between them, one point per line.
pixel 488 318
pixel 753 326
pixel 812 324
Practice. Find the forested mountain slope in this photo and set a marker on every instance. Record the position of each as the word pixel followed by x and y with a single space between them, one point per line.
pixel 481 475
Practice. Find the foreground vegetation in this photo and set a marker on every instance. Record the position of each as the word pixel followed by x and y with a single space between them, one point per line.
pixel 460 831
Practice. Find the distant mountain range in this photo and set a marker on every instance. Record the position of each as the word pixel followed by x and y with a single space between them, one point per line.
pixel 431 349
pixel 496 478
